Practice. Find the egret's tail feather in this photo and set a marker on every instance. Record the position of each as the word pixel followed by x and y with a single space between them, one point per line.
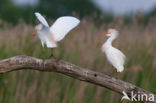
pixel 51 45
pixel 120 69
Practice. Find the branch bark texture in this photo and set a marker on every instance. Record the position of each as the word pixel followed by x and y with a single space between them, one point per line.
pixel 21 62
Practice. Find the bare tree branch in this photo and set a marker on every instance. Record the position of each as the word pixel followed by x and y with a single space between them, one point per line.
pixel 51 65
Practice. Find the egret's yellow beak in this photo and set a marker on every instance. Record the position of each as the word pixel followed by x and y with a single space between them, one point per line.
pixel 34 33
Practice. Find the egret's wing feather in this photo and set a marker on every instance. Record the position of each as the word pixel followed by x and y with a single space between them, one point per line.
pixel 41 19
pixel 42 38
pixel 119 56
pixel 45 38
pixel 116 58
pixel 62 26
pixel 50 44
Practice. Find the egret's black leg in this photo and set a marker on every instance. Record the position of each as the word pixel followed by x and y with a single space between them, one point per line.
pixel 61 54
pixel 52 55
pixel 112 72
pixel 116 74
pixel 42 52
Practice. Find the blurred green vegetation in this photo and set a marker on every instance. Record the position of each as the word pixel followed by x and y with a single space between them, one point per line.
pixel 45 87
pixel 15 86
pixel 51 8
pixel 54 8
pixel 41 87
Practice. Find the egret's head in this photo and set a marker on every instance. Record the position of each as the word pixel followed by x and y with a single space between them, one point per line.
pixel 37 28
pixel 111 32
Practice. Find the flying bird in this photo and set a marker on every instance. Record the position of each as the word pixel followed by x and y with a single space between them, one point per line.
pixel 114 56
pixel 50 35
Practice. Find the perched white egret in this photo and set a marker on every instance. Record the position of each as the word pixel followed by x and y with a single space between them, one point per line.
pixel 49 36
pixel 114 56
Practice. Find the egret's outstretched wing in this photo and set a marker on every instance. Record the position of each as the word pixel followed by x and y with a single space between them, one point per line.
pixel 41 19
pixel 62 26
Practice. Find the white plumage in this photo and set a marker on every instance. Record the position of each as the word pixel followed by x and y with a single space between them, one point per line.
pixel 62 26
pixel 51 35
pixel 41 19
pixel 114 56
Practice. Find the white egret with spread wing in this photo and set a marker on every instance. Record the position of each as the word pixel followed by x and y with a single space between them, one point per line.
pixel 50 35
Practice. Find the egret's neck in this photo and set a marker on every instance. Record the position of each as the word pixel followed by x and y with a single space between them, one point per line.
pixel 110 40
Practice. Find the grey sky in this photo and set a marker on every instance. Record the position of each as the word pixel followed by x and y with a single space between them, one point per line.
pixel 124 6
pixel 25 2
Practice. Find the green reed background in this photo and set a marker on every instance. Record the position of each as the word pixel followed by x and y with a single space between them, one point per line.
pixel 82 46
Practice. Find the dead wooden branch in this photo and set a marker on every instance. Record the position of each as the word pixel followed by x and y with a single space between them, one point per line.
pixel 21 62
